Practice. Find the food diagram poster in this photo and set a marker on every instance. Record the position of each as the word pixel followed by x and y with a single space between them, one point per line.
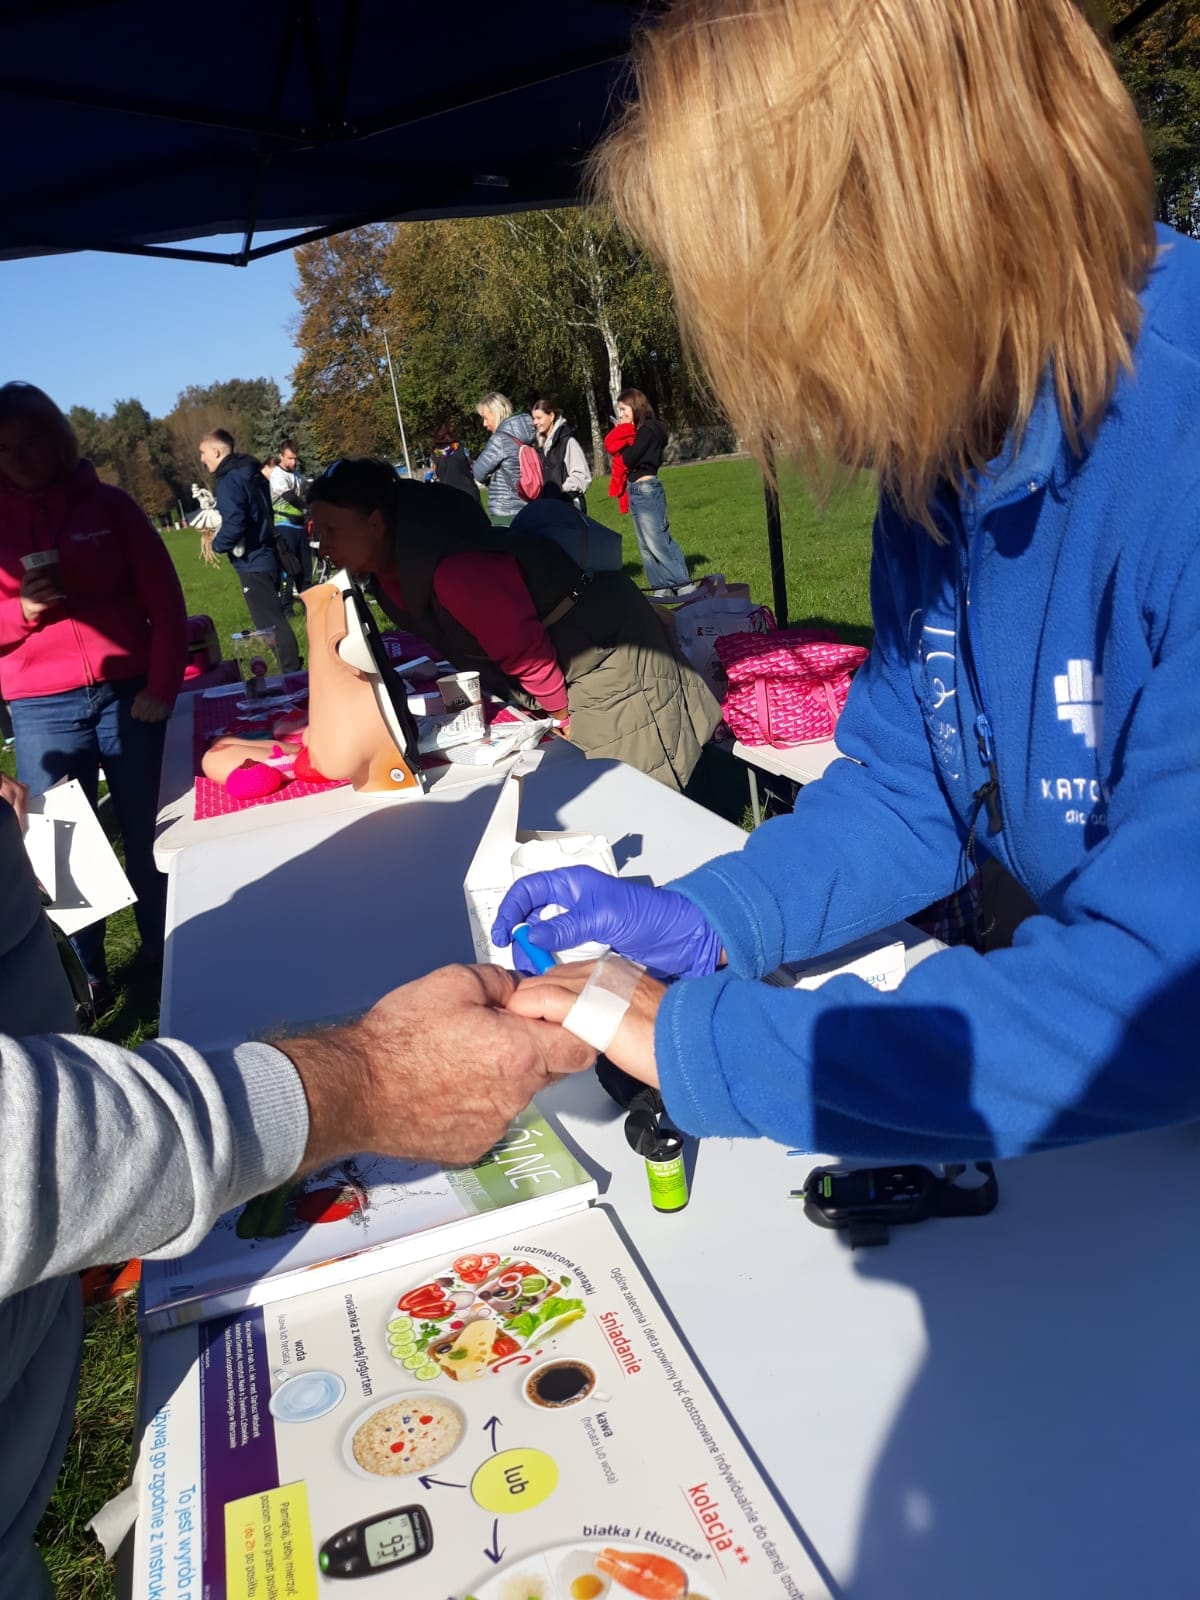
pixel 518 1421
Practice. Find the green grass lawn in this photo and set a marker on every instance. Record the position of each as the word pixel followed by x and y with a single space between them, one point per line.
pixel 718 517
pixel 216 592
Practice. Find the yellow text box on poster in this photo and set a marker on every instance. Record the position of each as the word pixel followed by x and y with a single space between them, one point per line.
pixel 268 1546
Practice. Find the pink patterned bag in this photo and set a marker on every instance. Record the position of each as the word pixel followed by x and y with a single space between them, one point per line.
pixel 786 687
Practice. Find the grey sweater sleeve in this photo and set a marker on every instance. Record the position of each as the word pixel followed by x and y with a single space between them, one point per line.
pixel 578 477
pixel 109 1153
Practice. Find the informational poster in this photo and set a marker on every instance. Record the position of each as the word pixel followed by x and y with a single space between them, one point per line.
pixel 519 1422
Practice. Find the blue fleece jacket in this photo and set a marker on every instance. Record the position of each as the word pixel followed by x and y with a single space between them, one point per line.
pixel 1064 609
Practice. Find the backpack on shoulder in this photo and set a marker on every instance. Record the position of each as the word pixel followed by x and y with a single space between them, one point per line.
pixel 531 478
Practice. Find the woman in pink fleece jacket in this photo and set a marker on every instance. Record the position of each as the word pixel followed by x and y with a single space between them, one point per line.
pixel 92 649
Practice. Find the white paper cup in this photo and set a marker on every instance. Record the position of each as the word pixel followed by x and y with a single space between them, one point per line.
pixel 460 689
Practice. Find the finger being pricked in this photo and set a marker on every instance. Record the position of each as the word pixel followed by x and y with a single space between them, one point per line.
pixel 553 995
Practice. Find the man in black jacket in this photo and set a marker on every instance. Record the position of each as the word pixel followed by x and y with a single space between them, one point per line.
pixel 247 537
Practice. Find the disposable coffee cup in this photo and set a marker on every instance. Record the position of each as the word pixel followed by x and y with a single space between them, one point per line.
pixel 46 561
pixel 459 690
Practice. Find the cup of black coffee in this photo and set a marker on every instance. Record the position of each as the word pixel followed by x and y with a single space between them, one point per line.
pixel 557 1384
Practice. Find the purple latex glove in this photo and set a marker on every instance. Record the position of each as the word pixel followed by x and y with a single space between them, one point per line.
pixel 661 929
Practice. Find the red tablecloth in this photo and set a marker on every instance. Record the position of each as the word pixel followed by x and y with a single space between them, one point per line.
pixel 220 715
pixel 217 716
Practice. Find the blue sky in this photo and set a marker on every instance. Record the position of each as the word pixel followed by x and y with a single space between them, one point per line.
pixel 91 328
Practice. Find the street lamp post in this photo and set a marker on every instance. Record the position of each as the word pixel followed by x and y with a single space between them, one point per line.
pixel 395 396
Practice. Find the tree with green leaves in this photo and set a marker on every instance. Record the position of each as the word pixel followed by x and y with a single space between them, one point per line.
pixel 340 381
pixel 553 302
pixel 1160 66
pixel 449 322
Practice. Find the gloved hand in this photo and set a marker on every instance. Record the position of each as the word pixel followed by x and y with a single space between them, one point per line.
pixel 661 929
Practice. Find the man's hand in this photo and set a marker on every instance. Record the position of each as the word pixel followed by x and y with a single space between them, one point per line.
pixel 146 708
pixel 16 794
pixel 39 593
pixel 549 998
pixel 435 1072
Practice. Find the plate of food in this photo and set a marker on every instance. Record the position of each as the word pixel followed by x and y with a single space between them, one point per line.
pixel 478 1312
pixel 400 1435
pixel 596 1572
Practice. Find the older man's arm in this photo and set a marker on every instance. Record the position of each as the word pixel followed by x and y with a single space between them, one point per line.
pixel 110 1153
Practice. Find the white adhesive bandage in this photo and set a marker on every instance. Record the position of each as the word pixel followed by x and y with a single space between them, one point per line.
pixel 600 1009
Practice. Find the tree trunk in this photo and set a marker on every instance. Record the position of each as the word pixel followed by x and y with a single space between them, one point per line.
pixel 615 384
pixel 615 381
pixel 599 456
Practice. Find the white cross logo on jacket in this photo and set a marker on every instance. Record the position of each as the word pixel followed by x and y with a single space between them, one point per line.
pixel 1080 696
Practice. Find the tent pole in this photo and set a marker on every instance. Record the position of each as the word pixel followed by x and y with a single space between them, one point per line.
pixel 779 595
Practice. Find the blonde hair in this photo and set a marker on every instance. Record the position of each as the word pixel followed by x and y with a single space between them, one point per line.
pixel 496 406
pixel 25 402
pixel 883 218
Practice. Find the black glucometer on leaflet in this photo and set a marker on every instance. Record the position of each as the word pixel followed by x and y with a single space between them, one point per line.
pixel 392 1539
pixel 865 1202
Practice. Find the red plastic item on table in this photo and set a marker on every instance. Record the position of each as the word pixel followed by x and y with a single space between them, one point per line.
pixel 253 781
pixel 327 1205
pixel 305 771
pixel 219 715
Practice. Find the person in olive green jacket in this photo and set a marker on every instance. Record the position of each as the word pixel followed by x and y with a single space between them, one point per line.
pixel 587 649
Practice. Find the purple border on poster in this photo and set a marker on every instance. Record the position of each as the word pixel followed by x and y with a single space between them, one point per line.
pixel 237 1431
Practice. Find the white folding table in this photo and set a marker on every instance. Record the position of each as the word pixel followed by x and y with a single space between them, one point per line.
pixel 177 827
pixel 803 763
pixel 985 1408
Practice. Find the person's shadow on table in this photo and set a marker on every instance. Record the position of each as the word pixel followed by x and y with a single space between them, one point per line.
pixel 1049 1446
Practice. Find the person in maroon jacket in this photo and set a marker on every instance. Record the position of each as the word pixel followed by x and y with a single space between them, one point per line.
pixel 93 642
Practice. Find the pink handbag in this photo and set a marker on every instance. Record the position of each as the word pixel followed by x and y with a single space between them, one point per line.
pixel 786 687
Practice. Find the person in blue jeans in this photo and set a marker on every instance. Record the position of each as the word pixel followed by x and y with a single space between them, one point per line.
pixel 662 558
pixel 93 642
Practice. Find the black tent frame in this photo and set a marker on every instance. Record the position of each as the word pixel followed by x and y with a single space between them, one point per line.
pixel 328 76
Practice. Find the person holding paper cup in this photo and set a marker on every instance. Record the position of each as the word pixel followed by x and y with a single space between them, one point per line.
pixel 93 642
pixel 587 650
pixel 945 269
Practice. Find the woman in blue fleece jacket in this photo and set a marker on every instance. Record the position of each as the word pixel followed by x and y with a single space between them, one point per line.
pixel 945 268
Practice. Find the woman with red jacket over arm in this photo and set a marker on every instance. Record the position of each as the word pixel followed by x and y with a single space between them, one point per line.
pixel 637 444
pixel 93 641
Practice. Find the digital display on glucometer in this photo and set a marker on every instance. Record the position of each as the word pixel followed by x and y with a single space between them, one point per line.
pixel 390 1540
pixel 848 1188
